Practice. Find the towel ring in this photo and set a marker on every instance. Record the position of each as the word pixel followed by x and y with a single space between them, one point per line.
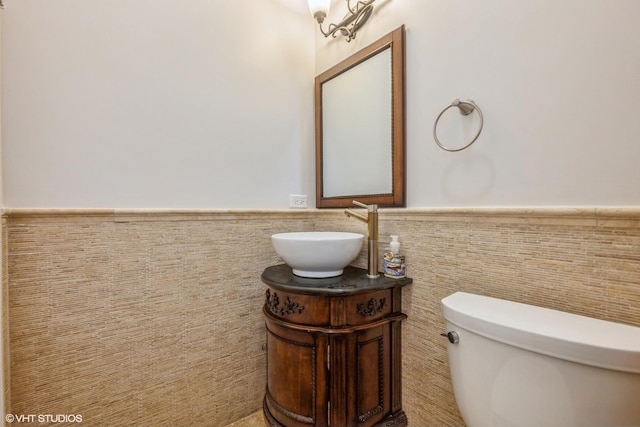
pixel 466 107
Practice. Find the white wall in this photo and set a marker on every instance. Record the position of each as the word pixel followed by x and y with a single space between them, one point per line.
pixel 1 174
pixel 558 83
pixel 199 104
pixel 157 103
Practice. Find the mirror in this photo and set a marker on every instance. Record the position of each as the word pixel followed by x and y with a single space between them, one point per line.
pixel 359 109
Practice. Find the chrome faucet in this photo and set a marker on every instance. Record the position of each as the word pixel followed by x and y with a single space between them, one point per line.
pixel 372 239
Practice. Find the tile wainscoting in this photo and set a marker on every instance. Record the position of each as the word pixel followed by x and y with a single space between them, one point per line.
pixel 137 317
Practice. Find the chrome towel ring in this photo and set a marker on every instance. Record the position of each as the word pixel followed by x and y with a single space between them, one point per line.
pixel 466 107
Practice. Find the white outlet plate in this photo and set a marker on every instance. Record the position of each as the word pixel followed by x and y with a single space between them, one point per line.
pixel 298 201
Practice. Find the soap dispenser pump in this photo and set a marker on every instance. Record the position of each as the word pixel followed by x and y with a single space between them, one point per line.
pixel 394 263
pixel 395 245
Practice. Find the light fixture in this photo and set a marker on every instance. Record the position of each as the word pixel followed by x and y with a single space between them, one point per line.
pixel 350 24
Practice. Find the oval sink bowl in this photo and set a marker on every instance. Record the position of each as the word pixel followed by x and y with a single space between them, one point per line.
pixel 317 253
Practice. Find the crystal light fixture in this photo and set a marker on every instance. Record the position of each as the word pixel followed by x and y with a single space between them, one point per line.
pixel 350 24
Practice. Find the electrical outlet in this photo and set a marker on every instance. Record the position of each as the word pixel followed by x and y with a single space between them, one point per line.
pixel 298 201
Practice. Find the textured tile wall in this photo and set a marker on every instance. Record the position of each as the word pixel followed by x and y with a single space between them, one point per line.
pixel 584 261
pixel 139 319
pixel 153 318
pixel 4 261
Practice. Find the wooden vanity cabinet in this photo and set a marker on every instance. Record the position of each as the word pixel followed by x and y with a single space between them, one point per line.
pixel 333 350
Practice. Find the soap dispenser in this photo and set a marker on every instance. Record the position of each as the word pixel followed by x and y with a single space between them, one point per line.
pixel 393 263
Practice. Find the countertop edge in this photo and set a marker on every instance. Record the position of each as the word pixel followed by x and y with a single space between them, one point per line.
pixel 353 281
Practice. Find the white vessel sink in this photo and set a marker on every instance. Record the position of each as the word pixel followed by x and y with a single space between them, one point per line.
pixel 317 253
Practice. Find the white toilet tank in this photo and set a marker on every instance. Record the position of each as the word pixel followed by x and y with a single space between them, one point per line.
pixel 517 365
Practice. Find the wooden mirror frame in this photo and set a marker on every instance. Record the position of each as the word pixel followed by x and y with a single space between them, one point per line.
pixel 396 43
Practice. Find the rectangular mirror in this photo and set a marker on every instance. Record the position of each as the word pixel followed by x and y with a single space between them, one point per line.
pixel 360 127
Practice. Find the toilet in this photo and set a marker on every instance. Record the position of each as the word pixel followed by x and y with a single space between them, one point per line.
pixel 517 365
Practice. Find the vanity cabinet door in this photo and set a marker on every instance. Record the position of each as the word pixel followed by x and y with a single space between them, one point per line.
pixel 359 372
pixel 373 362
pixel 296 377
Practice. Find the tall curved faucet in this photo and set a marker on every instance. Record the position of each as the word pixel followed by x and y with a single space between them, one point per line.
pixel 372 239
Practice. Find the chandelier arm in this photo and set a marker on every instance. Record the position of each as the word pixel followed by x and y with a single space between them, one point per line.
pixel 361 18
pixel 351 23
pixel 348 20
pixel 359 5
pixel 352 10
pixel 335 29
pixel 325 33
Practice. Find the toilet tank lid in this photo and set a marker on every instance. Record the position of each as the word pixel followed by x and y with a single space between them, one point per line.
pixel 555 333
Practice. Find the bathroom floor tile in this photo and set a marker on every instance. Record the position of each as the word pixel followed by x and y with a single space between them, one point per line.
pixel 254 420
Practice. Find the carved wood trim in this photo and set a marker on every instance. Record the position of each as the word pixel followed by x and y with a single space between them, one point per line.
pixel 335 331
pixel 288 307
pixel 373 307
pixel 364 417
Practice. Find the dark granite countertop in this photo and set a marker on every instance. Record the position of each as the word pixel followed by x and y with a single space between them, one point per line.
pixel 353 281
